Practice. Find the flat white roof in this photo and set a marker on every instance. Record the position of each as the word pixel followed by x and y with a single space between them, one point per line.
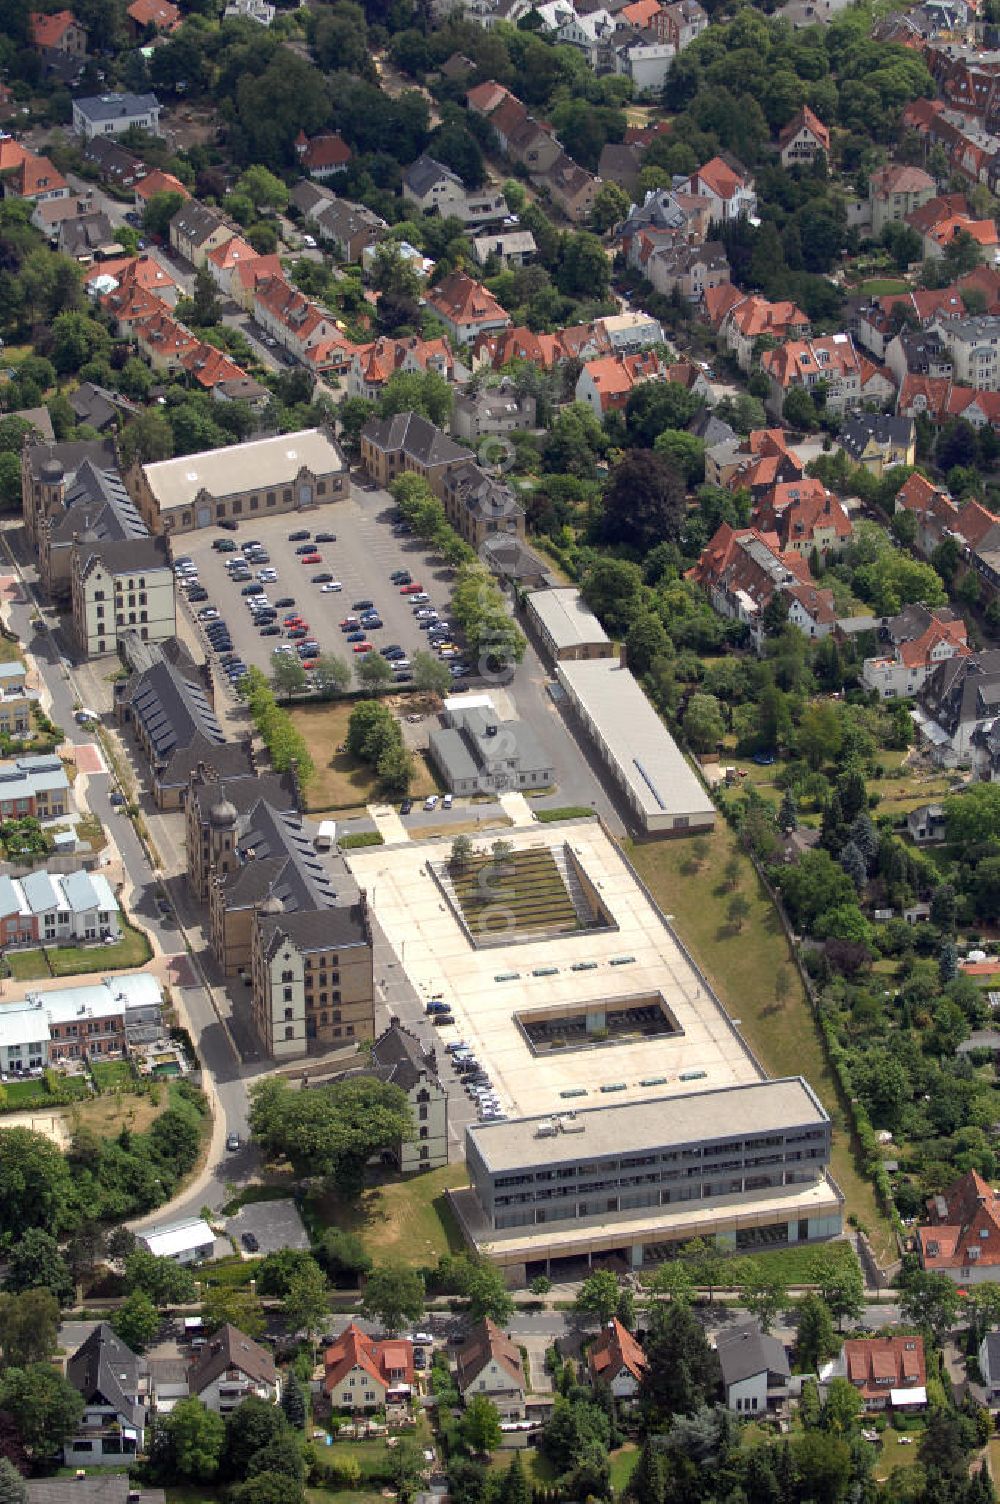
pixel 20 1025
pixel 243 467
pixel 652 764
pixel 485 988
pixel 566 618
pixel 177 1237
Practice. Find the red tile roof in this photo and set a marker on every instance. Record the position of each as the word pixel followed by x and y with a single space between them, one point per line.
pixel 159 182
pixel 805 120
pixel 461 300
pixel 327 150
pixel 48 31
pixel 614 1350
pixel 386 1362
pixel 162 14
pixel 718 176
pixel 897 1361
pixel 209 366
pixel 900 179
pixel 917 653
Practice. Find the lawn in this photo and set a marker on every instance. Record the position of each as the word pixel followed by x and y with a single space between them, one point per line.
pixel 897 795
pixel 407 1220
pixel 110 1074
pixel 340 780
pixel 539 1469
pixel 10 650
pixel 133 949
pixel 20 1096
pixel 107 1115
pixel 893 1454
pixel 622 1462
pixel 523 892
pixel 882 287
pixel 793 1266
pixel 27 965
pixel 742 967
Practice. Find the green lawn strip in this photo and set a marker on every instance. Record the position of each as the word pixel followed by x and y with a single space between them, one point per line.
pixel 133 949
pixel 27 965
pixel 894 1453
pixel 110 1074
pixel 795 1266
pixel 408 1221
pixel 742 966
pixel 539 1469
pixel 622 1462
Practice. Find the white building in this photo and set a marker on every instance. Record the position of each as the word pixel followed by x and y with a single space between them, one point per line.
pixel 989 1366
pixel 121 585
pixel 113 114
pixel 187 1242
pixel 646 64
pixel 399 1058
pixel 250 10
pixel 74 1023
pixel 56 909
pixel 489 1362
pixel 230 1368
pixel 433 187
pixel 755 1371
pixel 974 347
pixel 631 332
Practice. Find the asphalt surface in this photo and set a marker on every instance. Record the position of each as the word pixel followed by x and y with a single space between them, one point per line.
pixel 365 554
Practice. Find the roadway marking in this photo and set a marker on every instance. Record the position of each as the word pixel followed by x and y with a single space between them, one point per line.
pixel 89 758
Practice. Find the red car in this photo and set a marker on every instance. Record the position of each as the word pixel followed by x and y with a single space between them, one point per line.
pixel 364 647
pixel 308 663
pixel 310 559
pixel 348 622
pixel 293 621
pixel 410 589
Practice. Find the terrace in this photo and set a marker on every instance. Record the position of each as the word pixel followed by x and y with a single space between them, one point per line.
pixel 527 894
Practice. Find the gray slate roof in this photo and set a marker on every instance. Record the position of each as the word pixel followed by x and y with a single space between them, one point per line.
pixel 857 429
pixel 416 436
pixel 103 107
pixel 171 709
pixel 104 1367
pixel 398 1056
pixel 421 175
pixel 746 1351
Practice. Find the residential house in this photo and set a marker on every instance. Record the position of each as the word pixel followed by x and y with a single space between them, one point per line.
pixel 261 12
pixel 229 1369
pixel 324 156
pixel 805 516
pixel 690 270
pixel 151 16
pixel 107 1376
pixel 434 188
pixel 989 1366
pixel 894 191
pixel 79 1023
pixel 590 33
pixel 59 31
pixel 755 1369
pixel 750 320
pixel 570 187
pixel 620 163
pixel 16 700
pixel 25 175
pixel 888 1372
pixel 830 361
pixel 926 824
pixel 755 463
pixel 491 410
pixel 86 237
pixel 974 346
pixel 115 164
pixel 727 186
pixel 35 785
pixel 616 1359
pixel 918 639
pixel 742 569
pixel 59 909
pixel 803 138
pixel 605 385
pixel 509 247
pixel 372 366
pixel 878 443
pixel 959 698
pixel 114 114
pixel 156 182
pixel 960 1236
pixel 465 308
pixel 362 1374
pixel 488 1362
pixel 196 229
pixel 679 23
pixel 398 1057
pixel 918 352
pixel 646 61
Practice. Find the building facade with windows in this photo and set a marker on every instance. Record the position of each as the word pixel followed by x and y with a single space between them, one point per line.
pixel 121 585
pixel 399 1058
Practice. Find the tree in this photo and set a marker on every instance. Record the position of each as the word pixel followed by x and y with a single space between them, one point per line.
pixel 788 815
pixel 136 1320
pixel 673 1278
pixel 625 1312
pixel 798 409
pixel 331 674
pixel 702 722
pixel 682 1370
pixel 146 438
pixel 206 308
pixel 35 1185
pixel 815 1339
pixel 343 1253
pixel 293 1401
pixel 737 910
pixel 263 189
pixel 854 865
pixel 484 1288
pixel 762 1293
pixel 374 672
pixel 43 1405
pixel 165 1282
pixel 430 675
pixel 394 1294
pixel 481 1424
pixel 461 853
pixel 842 1407
pixel 224 1306
pixel 685 452
pixel 598 1295
pixel 307 1301
pixel 332 1130
pixel 29 1325
pixel 13 1489
pixel 282 1455
pixel 515 1488
pixel 10 482
pixel 195 1438
pixel 422 392
pixel 611 205
pixel 159 212
pixel 287 674
pixel 268 1488
pixel 644 502
pixel 252 1426
pixel 35 1262
pixel 929 1299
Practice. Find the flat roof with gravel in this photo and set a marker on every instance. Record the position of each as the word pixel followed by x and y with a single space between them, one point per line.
pixel 485 988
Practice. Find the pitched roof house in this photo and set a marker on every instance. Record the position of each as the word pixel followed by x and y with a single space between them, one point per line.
pixel 466 308
pixel 831 360
pixel 323 156
pixel 755 1369
pixel 230 1368
pixel 961 1235
pixel 361 1373
pixel 606 384
pixel 105 1373
pixel 728 187
pixel 489 1363
pixel 805 516
pixel 803 138
pixel 616 1359
pixel 918 640
pixel 879 442
pixel 888 1372
pixel 58 32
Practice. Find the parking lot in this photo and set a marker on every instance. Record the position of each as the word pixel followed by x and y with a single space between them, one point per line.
pixel 364 555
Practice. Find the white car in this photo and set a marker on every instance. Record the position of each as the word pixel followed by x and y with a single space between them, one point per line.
pixel 420 599
pixel 449 800
pixel 309 241
pixel 330 587
pixel 267 576
pixel 431 802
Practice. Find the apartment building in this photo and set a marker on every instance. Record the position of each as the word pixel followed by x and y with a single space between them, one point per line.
pixel 466 308
pixel 916 641
pixel 34 785
pixel 974 347
pixel 55 909
pixel 230 1368
pixel 285 473
pixel 398 1057
pixel 894 191
pixel 16 700
pixel 114 114
pixel 120 585
pixel 491 410
pixel 831 362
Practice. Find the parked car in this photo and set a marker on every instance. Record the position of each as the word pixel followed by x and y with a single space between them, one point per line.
pixel 250 1243
pixel 431 802
pixel 326 537
pixel 400 577
pixel 406 806
pixel 298 536
pixel 306 548
pixel 364 647
pixel 229 523
pixel 223 545
pixel 199 593
pixel 448 801
pixel 325 578
pixel 356 636
pixel 363 606
pixel 232 1142
pixel 411 589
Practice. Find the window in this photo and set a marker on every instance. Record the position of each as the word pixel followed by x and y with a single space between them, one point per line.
pixel 287 976
pixel 289 1032
pixel 289 1013
pixel 288 995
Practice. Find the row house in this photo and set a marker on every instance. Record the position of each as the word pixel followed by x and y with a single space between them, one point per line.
pixel 918 352
pixel 968 79
pixel 970 149
pixel 728 187
pixel 164 342
pixel 223 260
pixel 877 324
pixel 196 229
pixel 915 642
pixel 805 516
pixel 754 318
pixel 937 237
pixel 372 366
pixel 958 712
pixel 466 308
pixel 941 399
pixel 294 320
pixel 58 909
pixel 35 785
pixel 830 363
pixel 17 701
pixel 75 1023
pixel 119 585
pixel 605 385
pixel 742 569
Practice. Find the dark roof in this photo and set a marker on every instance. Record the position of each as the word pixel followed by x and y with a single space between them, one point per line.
pixel 421 175
pixel 231 1348
pixel 483 494
pixel 87 232
pixel 278 859
pixel 231 760
pixel 107 154
pixel 95 405
pixel 962 690
pixel 71 456
pixel 416 436
pixel 858 428
pixel 103 1368
pixel 398 1056
pixel 620 163
pixel 712 430
pixel 196 222
pixel 121 555
pixel 484 1342
pixel 104 107
pixel 992 1340
pixel 315 929
pixel 746 1351
pixel 242 790
pixel 171 709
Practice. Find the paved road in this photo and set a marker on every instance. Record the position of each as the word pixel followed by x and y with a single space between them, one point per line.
pixel 223 1077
